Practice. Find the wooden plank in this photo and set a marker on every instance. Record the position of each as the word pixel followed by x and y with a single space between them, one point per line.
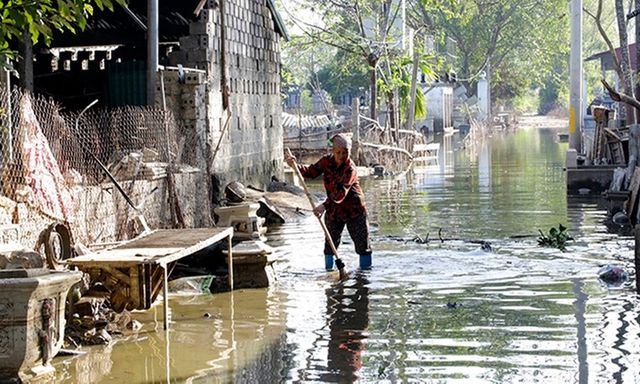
pixel 230 262
pixel 148 285
pixel 175 238
pixel 612 134
pixel 161 246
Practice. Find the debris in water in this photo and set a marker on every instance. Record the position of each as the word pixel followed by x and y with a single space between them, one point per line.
pixel 453 305
pixel 613 275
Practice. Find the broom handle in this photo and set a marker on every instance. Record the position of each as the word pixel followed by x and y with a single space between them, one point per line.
pixel 306 191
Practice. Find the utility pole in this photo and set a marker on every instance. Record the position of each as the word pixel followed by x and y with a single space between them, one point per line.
pixel 152 50
pixel 575 70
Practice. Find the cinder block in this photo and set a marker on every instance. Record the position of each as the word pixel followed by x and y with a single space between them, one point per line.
pixel 572 158
pixel 194 78
pixel 199 55
pixel 199 28
pixel 188 43
pixel 205 42
pixel 188 113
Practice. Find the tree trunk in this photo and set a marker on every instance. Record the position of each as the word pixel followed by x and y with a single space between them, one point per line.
pixel 373 113
pixel 25 64
pixel 624 51
pixel 414 80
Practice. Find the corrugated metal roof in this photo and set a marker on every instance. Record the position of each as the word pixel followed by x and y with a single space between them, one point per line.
pixel 305 121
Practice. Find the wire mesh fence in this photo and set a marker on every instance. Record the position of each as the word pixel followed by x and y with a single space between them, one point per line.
pixel 106 173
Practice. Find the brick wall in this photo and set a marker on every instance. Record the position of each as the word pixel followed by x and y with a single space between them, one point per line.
pixel 251 147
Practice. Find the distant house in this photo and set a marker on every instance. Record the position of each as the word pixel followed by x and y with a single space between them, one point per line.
pixel 293 99
pixel 606 58
pixel 438 93
pixel 107 62
pixel 309 132
pixel 607 65
pixel 439 105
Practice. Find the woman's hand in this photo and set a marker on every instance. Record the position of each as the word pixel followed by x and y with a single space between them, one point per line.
pixel 290 159
pixel 319 210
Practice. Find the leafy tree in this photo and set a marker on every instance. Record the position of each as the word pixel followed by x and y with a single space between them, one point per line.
pixel 40 18
pixel 343 74
pixel 366 30
pixel 516 42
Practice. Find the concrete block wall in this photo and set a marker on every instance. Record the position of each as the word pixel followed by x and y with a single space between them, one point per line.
pixel 251 148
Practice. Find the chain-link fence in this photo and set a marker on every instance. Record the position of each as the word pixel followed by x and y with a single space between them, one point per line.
pixel 104 173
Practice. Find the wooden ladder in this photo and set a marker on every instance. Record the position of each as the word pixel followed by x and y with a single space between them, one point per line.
pixel 614 144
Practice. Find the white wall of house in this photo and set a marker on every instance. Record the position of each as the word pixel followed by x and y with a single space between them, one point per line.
pixel 439 106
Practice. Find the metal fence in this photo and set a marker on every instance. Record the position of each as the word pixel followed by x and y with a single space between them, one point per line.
pixel 102 172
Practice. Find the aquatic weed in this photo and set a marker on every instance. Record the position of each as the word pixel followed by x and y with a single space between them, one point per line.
pixel 557 238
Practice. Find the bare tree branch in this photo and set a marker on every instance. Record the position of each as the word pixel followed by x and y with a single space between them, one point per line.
pixel 620 97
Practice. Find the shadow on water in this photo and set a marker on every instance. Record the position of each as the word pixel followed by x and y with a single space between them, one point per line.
pixel 430 311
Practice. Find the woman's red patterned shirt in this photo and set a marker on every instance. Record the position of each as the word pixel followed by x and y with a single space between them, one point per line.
pixel 345 199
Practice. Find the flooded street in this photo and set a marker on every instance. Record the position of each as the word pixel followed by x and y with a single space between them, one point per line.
pixel 429 311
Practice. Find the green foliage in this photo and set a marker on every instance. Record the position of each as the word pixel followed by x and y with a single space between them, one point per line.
pixel 306 102
pixel 517 42
pixel 557 238
pixel 398 78
pixel 527 102
pixel 343 74
pixel 594 43
pixel 42 17
pixel 554 90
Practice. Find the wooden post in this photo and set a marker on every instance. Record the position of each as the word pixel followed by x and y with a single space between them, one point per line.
pixel 637 256
pixel 165 288
pixel 230 261
pixel 355 122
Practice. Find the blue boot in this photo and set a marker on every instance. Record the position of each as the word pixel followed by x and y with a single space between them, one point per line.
pixel 365 261
pixel 328 262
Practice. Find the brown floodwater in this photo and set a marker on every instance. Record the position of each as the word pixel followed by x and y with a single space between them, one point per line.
pixel 435 311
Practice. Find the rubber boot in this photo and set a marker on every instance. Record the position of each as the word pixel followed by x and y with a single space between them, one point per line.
pixel 328 262
pixel 365 261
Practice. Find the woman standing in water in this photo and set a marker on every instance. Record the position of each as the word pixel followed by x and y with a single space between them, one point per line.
pixel 345 203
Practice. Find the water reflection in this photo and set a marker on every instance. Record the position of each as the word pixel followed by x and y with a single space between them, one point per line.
pixel 348 320
pixel 228 337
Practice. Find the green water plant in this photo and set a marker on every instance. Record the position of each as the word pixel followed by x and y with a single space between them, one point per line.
pixel 557 238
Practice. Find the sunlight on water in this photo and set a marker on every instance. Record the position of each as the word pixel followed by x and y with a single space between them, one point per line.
pixel 441 309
